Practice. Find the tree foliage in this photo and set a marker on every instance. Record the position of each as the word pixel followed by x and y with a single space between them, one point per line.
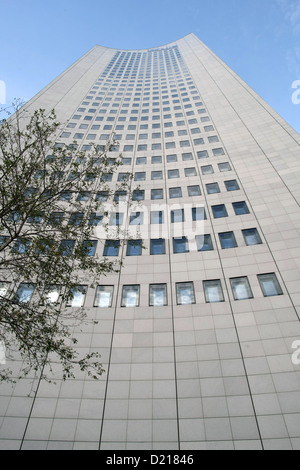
pixel 49 211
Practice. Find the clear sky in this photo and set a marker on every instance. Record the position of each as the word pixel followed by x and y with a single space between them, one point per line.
pixel 258 39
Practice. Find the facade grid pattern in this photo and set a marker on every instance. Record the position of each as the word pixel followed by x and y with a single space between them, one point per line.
pixel 196 331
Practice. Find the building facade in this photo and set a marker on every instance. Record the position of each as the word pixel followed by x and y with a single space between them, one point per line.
pixel 199 331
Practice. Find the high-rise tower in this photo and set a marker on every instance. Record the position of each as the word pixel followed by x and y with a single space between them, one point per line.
pixel 198 331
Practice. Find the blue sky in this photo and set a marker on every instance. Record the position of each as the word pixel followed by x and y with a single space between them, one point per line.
pixel 258 39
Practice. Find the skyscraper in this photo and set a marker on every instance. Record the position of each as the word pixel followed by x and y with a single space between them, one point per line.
pixel 198 332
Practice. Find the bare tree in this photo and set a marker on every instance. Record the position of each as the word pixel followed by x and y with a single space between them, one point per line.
pixel 50 204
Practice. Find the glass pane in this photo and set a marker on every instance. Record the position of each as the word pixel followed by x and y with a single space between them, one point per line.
pixel 89 247
pixel 156 217
pixel 157 246
pixel 198 213
pixel 111 248
pixel 213 291
pixel 136 218
pixel 219 211
pixel 77 296
pixel 180 245
pixel 24 293
pixel 212 188
pixel 194 190
pixel 270 285
pixel 251 236
pixel 66 247
pixel 158 295
pixel 185 293
pixel 157 194
pixel 134 248
pixel 232 185
pixel 241 288
pixel 240 208
pixel 227 240
pixel 51 294
pixel 104 296
pixel 177 215
pixel 130 296
pixel 204 243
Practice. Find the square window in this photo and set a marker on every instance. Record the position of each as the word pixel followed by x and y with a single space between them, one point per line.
pixel 194 190
pixel 106 177
pixel 76 218
pixel 251 237
pixel 175 192
pixel 269 285
pixel 156 175
pixel 204 242
pixel 156 217
pixel 219 211
pixel 24 293
pixel 227 240
pixel 240 208
pixel 173 174
pixel 134 248
pixel 157 159
pixel 140 176
pixel 177 215
pixel 66 196
pixel 202 154
pixel 120 196
pixel 104 296
pixel 212 188
pixel 232 185
pixel 130 296
pixel 51 294
pixel 89 247
pixel 224 166
pixel 77 296
pixel 111 248
pixel 95 219
pixel 190 172
pixel 141 161
pixel 185 143
pixel 241 288
pixel 66 247
pixel 198 213
pixel 123 177
pixel 180 245
pixel 187 156
pixel 157 194
pixel 138 195
pixel 157 246
pixel 198 141
pixel 207 170
pixel 136 218
pixel 21 245
pixel 116 218
pixel 213 291
pixel 218 152
pixel 213 139
pixel 170 145
pixel 171 158
pixel 102 196
pixel 157 295
pixel 185 293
